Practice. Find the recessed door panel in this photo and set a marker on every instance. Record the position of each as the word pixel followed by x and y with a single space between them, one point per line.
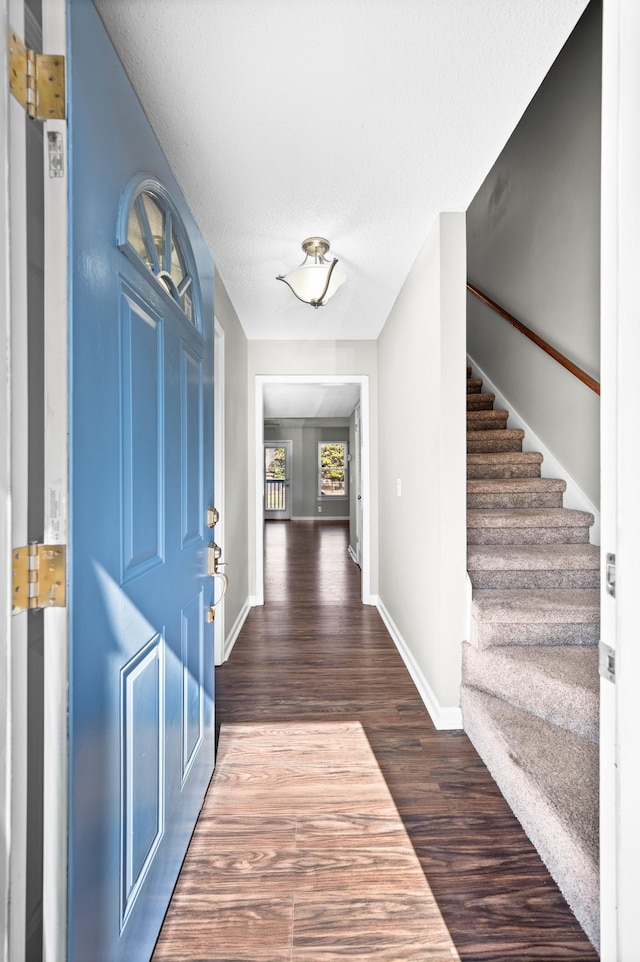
pixel 191 427
pixel 142 436
pixel 192 680
pixel 142 750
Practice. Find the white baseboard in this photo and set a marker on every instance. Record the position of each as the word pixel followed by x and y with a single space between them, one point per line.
pixel 445 718
pixel 352 555
pixel 574 496
pixel 232 637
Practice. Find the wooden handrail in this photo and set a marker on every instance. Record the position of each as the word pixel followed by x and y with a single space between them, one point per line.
pixel 546 347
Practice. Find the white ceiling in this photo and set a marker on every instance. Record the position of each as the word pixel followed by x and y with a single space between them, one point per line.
pixel 358 120
pixel 309 400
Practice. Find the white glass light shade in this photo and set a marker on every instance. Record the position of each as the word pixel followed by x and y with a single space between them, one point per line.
pixel 316 280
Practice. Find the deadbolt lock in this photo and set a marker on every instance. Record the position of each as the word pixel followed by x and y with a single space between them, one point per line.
pixel 213 516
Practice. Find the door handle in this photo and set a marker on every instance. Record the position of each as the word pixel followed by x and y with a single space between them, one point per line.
pixel 214 564
pixel 211 610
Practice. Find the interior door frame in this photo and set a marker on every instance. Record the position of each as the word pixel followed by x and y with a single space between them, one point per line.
pixel 260 381
pixel 14 634
pixel 620 347
pixel 56 515
pixel 357 476
pixel 218 471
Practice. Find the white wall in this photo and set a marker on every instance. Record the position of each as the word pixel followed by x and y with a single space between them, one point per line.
pixel 534 247
pixel 236 459
pixel 422 443
pixel 314 358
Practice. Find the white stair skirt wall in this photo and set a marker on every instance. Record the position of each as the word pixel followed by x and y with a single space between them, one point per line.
pixel 444 718
pixel 574 497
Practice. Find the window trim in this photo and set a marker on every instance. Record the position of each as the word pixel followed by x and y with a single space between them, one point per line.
pixel 321 496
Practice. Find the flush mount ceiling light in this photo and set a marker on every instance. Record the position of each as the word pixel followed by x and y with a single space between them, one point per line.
pixel 316 279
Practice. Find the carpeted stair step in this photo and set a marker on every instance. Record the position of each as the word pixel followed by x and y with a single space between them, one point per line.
pixel 549 777
pixel 523 616
pixel 494 441
pixel 486 420
pixel 528 526
pixel 507 464
pixel 533 565
pixel 480 402
pixel 515 492
pixel 474 385
pixel 559 684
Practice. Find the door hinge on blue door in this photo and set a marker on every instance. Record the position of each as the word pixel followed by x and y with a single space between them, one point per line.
pixel 39 577
pixel 36 80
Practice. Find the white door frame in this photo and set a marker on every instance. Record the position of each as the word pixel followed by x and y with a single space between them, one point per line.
pixel 357 462
pixel 363 381
pixel 56 517
pixel 15 370
pixel 13 506
pixel 620 744
pixel 7 852
pixel 218 475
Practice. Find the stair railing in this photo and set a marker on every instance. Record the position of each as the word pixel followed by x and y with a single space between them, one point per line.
pixel 546 347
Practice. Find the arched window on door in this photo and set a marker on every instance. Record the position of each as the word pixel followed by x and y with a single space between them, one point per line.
pixel 152 235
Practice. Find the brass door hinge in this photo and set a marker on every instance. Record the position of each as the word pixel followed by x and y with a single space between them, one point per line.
pixel 36 80
pixel 39 576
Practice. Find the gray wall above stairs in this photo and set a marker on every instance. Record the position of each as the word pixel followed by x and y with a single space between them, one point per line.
pixel 533 234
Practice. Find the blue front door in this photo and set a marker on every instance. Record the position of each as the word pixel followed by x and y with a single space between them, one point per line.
pixel 141 650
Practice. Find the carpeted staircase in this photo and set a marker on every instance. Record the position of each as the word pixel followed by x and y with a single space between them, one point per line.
pixel 530 669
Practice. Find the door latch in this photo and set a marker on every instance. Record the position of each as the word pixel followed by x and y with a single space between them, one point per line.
pixel 607 662
pixel 610 574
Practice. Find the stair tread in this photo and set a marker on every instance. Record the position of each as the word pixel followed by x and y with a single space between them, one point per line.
pixel 549 777
pixel 528 518
pixel 533 557
pixel 491 485
pixel 502 439
pixel 504 457
pixel 487 414
pixel 481 396
pixel 560 684
pixel 543 605
pixel 497 433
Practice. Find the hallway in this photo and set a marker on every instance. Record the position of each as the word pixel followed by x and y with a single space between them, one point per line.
pixel 314 654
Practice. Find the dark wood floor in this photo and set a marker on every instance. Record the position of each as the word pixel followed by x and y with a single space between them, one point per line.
pixel 314 653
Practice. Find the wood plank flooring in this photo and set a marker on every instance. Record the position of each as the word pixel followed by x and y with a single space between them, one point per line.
pixel 313 655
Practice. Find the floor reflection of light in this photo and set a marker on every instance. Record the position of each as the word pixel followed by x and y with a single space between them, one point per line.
pixel 324 778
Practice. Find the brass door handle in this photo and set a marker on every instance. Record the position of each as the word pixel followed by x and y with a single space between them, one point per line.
pixel 211 610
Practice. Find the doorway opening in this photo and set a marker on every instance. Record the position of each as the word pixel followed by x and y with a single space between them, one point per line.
pixel 303 397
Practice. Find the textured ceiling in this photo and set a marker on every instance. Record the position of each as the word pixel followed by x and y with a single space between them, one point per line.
pixel 358 120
